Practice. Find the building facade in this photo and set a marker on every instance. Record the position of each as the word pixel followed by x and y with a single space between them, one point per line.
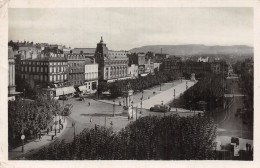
pixel 112 65
pixel 133 71
pixel 76 69
pixel 45 72
pixel 91 75
pixel 11 75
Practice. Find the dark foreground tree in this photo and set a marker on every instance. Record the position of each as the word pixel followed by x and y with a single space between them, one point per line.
pixel 149 138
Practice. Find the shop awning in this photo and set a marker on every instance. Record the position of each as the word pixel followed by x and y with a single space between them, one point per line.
pixel 83 88
pixel 65 90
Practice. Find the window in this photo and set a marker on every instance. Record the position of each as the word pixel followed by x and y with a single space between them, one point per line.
pixel 50 78
pixel 29 69
pixel 37 69
pixel 65 77
pixel 54 77
pixel 58 77
pixel 50 69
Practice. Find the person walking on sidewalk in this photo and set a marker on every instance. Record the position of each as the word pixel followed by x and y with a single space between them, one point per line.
pixel 88 103
pixel 40 136
pixel 48 131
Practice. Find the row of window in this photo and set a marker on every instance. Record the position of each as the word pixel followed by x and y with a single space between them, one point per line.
pixel 57 69
pixel 75 56
pixel 42 63
pixel 41 78
pixel 116 62
pixel 54 78
pixel 76 64
pixel 76 76
pixel 91 75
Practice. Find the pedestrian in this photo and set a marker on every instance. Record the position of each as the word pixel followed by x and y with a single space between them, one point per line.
pixel 111 123
pixel 51 127
pixel 90 120
pixel 88 103
pixel 148 97
pixel 61 126
pixel 119 103
pixel 246 146
pixel 48 131
pixel 249 149
pixel 128 118
pixel 40 136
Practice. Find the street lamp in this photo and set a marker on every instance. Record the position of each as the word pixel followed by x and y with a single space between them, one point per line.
pixel 142 101
pixel 74 125
pixel 132 109
pixel 174 99
pixel 114 108
pixel 22 138
pixel 136 113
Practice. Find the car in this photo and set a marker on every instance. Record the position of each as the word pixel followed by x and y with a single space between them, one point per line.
pixel 76 94
pixel 160 108
pixel 67 109
pixel 63 97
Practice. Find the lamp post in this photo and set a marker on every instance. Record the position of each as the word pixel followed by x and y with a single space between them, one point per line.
pixel 142 101
pixel 174 98
pixel 23 92
pixel 22 138
pixel 74 125
pixel 105 121
pixel 136 114
pixel 132 109
pixel 114 108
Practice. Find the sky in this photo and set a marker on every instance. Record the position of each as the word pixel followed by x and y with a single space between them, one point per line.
pixel 127 28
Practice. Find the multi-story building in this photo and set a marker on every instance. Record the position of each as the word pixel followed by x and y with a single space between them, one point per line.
pixel 112 64
pixel 136 58
pixel 87 52
pixel 132 71
pixel 76 69
pixel 47 71
pixel 91 75
pixel 11 75
pixel 218 66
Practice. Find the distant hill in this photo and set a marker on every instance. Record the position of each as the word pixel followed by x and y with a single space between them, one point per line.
pixel 193 49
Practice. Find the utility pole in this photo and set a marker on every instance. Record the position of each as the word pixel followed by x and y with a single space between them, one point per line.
pixel 74 125
pixel 142 102
pixel 114 108
pixel 132 110
pixel 105 121
pixel 174 99
pixel 136 114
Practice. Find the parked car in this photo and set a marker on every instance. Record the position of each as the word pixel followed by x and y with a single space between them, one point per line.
pixel 67 109
pixel 160 108
pixel 63 97
pixel 76 94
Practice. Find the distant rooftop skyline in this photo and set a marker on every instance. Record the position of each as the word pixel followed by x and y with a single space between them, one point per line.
pixel 127 28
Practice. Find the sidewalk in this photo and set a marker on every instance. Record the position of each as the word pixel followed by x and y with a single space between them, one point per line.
pixel 32 146
pixel 166 96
